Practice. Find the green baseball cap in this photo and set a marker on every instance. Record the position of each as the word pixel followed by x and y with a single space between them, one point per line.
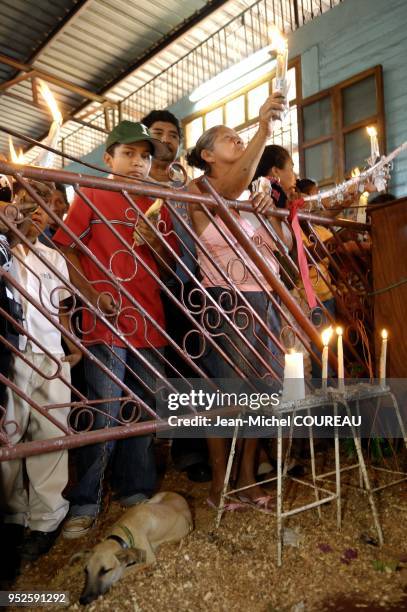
pixel 128 132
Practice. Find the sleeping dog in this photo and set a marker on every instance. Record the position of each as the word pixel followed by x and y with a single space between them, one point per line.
pixel 133 540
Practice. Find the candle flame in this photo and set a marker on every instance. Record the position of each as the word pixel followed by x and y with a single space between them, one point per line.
pixel 355 172
pixel 16 158
pixel 371 130
pixel 326 335
pixel 50 100
pixel 384 334
pixel 278 41
pixel 339 331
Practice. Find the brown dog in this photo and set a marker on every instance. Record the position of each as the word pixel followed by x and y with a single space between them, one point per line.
pixel 133 540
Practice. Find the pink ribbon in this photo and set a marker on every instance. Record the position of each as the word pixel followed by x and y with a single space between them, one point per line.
pixel 302 259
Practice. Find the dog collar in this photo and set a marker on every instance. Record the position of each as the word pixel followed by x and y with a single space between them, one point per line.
pixel 119 540
pixel 122 541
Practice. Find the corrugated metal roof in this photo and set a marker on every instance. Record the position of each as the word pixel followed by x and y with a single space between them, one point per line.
pixel 280 13
pixel 99 44
pixel 94 48
pixel 161 61
pixel 24 26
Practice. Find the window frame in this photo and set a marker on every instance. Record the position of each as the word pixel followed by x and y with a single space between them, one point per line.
pixel 339 131
pixel 293 63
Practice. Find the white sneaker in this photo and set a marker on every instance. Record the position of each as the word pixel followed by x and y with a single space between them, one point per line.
pixel 77 526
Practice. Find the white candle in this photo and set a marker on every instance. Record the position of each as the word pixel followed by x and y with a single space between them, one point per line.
pixel 294 386
pixel 294 365
pixel 281 69
pixel 374 144
pixel 326 336
pixel 46 158
pixel 383 356
pixel 341 370
pixel 15 158
pixel 279 42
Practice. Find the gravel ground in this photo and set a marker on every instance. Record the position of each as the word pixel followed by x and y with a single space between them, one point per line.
pixel 234 569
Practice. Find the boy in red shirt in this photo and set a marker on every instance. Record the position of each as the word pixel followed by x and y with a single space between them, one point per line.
pixel 129 151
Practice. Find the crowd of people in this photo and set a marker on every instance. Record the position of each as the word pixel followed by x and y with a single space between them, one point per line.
pixel 131 340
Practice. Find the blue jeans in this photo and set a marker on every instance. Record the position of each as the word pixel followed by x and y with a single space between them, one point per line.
pixel 228 341
pixel 134 475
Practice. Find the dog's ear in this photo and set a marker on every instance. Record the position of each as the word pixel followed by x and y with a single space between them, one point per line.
pixel 131 556
pixel 83 554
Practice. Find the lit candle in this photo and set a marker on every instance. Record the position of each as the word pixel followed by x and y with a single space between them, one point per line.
pixel 341 374
pixel 383 356
pixel 15 158
pixel 45 158
pixel 326 336
pixel 374 144
pixel 279 42
pixel 355 173
pixel 294 386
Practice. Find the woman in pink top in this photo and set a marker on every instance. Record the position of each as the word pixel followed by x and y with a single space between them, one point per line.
pixel 224 265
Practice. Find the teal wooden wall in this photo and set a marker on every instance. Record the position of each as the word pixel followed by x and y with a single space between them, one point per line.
pixel 352 37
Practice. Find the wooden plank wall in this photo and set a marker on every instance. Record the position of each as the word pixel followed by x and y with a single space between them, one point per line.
pixel 389 252
pixel 350 38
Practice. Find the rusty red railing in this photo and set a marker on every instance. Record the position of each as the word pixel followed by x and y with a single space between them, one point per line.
pixel 344 274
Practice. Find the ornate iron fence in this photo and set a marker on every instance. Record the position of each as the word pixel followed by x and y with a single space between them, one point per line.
pixel 226 323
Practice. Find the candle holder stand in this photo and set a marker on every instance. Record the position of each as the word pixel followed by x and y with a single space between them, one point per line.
pixel 345 396
pixel 357 393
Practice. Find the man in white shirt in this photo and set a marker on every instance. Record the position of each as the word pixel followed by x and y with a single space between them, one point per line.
pixel 44 379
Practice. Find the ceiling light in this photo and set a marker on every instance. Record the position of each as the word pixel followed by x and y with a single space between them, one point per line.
pixel 227 90
pixel 231 74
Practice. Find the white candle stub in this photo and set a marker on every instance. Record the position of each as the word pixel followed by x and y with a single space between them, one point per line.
pixel 383 356
pixel 294 385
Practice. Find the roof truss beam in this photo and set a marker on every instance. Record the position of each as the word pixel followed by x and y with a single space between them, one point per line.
pixel 50 78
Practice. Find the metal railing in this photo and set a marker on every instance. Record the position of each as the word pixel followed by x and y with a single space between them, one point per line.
pixel 225 324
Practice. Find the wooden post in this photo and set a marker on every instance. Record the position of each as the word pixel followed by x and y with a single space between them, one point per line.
pixel 389 246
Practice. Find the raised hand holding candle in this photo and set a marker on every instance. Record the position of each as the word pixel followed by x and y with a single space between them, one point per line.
pixel 326 336
pixel 374 144
pixel 294 386
pixel 341 370
pixel 383 356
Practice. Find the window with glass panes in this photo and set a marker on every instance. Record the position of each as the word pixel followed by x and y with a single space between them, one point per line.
pixel 333 136
pixel 240 111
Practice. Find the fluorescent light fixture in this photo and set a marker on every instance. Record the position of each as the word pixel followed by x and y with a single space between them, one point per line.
pixel 225 91
pixel 231 74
